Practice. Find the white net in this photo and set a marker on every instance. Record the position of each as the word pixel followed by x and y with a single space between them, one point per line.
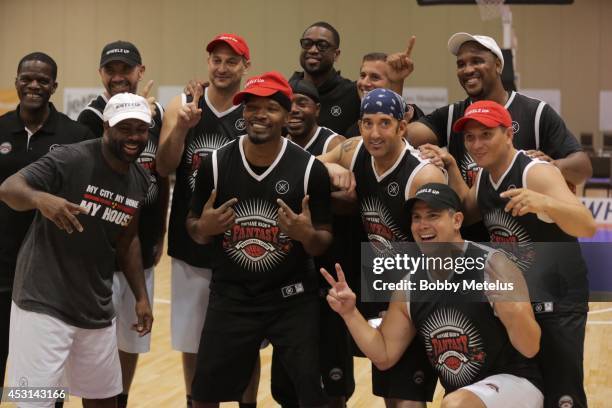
pixel 490 9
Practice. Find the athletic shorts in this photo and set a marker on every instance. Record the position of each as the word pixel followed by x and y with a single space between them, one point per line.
pixel 46 352
pixel 124 303
pixel 561 358
pixel 190 291
pixel 412 378
pixel 5 317
pixel 506 390
pixel 335 358
pixel 230 345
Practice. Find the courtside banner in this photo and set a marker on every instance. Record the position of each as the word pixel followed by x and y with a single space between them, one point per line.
pixel 601 208
pixel 538 272
pixel 75 99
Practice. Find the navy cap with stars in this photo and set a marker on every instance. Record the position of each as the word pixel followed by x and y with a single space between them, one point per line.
pixel 383 101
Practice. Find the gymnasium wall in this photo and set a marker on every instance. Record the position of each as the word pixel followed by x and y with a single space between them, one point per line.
pixel 563 47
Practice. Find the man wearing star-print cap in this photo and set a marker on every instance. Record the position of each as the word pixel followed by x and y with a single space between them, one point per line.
pixel 388 173
pixel 262 202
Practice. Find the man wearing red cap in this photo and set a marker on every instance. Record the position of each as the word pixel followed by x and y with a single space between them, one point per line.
pixel 194 126
pixel 262 202
pixel 526 201
pixel 537 128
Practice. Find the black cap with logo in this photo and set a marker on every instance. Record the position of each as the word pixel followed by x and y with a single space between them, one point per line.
pixel 436 195
pixel 123 51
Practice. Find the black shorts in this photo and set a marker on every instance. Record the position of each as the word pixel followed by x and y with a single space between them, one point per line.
pixel 561 358
pixel 5 315
pixel 230 341
pixel 412 378
pixel 335 357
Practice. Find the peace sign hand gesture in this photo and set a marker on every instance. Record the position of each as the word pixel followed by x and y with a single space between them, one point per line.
pixel 150 99
pixel 189 114
pixel 340 297
pixel 401 64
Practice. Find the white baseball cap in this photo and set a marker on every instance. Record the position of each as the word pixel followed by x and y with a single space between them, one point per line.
pixel 458 39
pixel 126 106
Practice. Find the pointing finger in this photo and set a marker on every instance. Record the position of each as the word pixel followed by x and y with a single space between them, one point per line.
pixel 411 42
pixel 147 89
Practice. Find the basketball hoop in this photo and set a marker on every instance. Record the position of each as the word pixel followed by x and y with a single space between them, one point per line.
pixel 490 9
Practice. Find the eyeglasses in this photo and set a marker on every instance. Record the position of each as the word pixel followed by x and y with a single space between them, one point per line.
pixel 322 45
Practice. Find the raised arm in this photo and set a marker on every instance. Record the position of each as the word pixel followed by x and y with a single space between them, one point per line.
pixel 383 346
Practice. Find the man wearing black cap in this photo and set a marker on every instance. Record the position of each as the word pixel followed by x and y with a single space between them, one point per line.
pixel 537 128
pixel 387 175
pixel 194 126
pixel 26 134
pixel 121 70
pixel 263 203
pixel 336 351
pixel 481 350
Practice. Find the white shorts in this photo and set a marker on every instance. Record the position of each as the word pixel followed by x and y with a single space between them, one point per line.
pixel 124 302
pixel 190 291
pixel 46 352
pixel 507 390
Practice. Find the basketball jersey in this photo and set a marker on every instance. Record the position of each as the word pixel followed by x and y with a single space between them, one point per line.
pixel 382 198
pixel 214 130
pixel 254 260
pixel 561 268
pixel 534 124
pixel 149 227
pixel 464 340
pixel 319 142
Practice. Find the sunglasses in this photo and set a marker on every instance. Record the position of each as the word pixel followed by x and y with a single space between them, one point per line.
pixel 322 45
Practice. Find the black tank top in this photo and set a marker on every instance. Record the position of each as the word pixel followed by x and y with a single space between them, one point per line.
pixel 214 130
pixel 255 261
pixel 553 271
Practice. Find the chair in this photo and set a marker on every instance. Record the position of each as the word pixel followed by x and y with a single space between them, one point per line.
pixel 601 175
pixel 586 140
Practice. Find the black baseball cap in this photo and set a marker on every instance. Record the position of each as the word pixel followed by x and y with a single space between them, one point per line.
pixel 123 51
pixel 307 88
pixel 436 195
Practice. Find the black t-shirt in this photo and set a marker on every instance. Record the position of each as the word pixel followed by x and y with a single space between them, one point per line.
pixel 17 150
pixel 255 262
pixel 214 130
pixel 534 123
pixel 465 341
pixel 70 276
pixel 339 102
pixel 559 271
pixel 151 224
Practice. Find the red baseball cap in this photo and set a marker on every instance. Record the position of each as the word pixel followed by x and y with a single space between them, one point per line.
pixel 489 113
pixel 237 43
pixel 267 84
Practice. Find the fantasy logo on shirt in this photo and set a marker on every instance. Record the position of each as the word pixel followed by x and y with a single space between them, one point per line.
pixel 504 229
pixel 200 146
pixel 453 346
pixel 147 160
pixel 255 241
pixel 469 169
pixel 117 208
pixel 379 225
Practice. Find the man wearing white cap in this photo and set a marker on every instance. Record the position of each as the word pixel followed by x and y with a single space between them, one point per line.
pixel 87 197
pixel 537 128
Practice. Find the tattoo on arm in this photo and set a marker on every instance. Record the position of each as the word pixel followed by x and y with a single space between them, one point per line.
pixel 347 146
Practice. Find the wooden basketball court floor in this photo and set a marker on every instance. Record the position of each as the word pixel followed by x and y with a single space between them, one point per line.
pixel 159 379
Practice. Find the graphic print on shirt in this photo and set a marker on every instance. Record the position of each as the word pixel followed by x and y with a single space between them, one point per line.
pixel 117 208
pixel 453 346
pixel 469 169
pixel 147 160
pixel 255 241
pixel 504 229
pixel 379 225
pixel 200 146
